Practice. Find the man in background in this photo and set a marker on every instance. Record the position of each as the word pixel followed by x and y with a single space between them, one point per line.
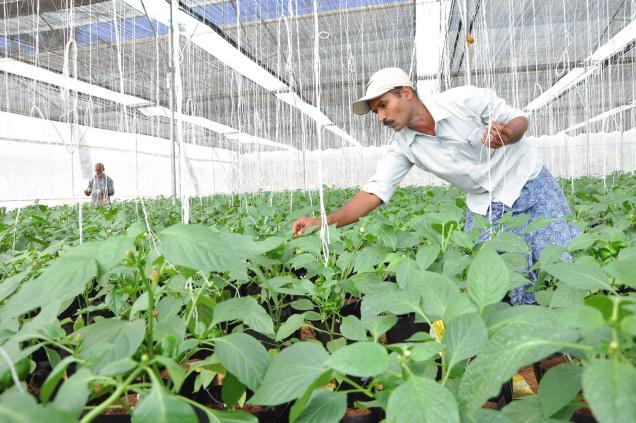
pixel 100 187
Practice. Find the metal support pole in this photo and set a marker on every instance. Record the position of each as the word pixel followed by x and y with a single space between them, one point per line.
pixel 173 128
pixel 468 65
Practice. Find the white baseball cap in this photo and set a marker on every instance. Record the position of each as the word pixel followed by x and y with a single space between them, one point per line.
pixel 381 82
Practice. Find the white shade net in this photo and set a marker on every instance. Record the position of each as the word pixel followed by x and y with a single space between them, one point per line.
pixel 262 91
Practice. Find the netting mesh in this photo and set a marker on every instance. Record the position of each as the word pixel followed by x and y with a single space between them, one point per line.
pixel 266 88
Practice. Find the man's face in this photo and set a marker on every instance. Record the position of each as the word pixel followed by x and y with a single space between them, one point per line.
pixel 99 169
pixel 392 108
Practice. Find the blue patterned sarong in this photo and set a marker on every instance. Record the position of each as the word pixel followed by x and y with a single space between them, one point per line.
pixel 540 197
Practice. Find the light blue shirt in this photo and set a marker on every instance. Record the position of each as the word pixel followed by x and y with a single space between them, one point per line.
pixel 456 153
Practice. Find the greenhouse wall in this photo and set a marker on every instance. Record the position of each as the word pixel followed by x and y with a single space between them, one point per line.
pixel 46 161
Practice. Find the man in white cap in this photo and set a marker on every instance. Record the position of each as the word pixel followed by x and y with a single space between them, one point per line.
pixel 470 138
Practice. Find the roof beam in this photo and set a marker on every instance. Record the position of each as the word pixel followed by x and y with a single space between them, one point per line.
pixel 26 70
pixel 603 116
pixel 227 131
pixel 615 46
pixel 37 73
pixel 210 41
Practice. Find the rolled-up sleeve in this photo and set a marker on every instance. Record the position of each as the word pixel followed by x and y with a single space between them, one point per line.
pixel 490 107
pixel 391 170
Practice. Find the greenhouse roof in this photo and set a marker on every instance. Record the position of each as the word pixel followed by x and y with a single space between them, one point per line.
pixel 250 65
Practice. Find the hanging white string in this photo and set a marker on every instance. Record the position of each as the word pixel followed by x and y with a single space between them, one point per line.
pixel 324 228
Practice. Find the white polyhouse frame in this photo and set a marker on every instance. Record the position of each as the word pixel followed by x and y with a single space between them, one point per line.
pixel 227 131
pixel 36 73
pixel 577 75
pixel 570 79
pixel 603 116
pixel 431 20
pixel 204 37
pixel 244 138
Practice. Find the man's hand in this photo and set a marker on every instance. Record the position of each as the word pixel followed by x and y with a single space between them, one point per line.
pixel 496 135
pixel 301 224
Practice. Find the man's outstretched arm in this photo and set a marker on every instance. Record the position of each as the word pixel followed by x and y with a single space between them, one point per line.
pixel 360 205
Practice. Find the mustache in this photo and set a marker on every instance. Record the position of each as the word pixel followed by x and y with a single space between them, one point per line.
pixel 387 122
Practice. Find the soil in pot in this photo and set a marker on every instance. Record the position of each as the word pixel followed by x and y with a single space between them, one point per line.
pixel 362 415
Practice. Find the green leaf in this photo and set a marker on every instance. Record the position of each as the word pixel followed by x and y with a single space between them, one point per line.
pixel 66 278
pixel 508 242
pixel 54 378
pixel 465 336
pixel 582 242
pixel 628 324
pixel 198 247
pixel 426 256
pixel 438 292
pixel 119 367
pixel 624 270
pixel 487 278
pixel 484 415
pixel 421 400
pixel 426 351
pixel 609 386
pixel 73 393
pixel 245 246
pixel 18 407
pixel 579 275
pixel 509 349
pixel 291 325
pixel 176 373
pixel 558 387
pixel 379 325
pixel 140 304
pixel 244 357
pixel 159 406
pixel 111 251
pixel 580 316
pixel 363 359
pixel 216 416
pixel 460 305
pixel 247 310
pixel 232 390
pixel 527 410
pixel 565 296
pixel 368 258
pixel 389 299
pixel 520 316
pixel 290 373
pixel 303 304
pixel 9 285
pixel 110 340
pixel 407 273
pixel 324 407
pixel 455 263
pixel 352 328
pixel 301 403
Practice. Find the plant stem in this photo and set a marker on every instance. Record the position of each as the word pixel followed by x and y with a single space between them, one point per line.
pixel 113 397
pixel 359 388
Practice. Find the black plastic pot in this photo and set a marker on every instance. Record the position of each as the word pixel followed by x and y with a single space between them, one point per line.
pixel 582 417
pixel 113 418
pixel 404 329
pixel 126 418
pixel 504 397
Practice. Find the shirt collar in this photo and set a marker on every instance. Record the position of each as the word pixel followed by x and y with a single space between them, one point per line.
pixel 437 112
